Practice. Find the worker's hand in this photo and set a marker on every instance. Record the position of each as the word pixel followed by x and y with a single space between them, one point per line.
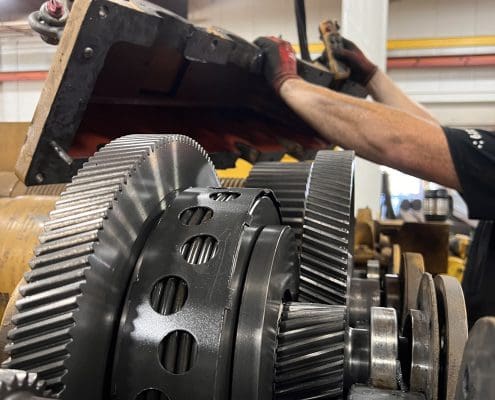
pixel 362 69
pixel 280 61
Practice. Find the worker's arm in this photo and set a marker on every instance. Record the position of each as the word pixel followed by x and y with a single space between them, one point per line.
pixel 377 132
pixel 378 84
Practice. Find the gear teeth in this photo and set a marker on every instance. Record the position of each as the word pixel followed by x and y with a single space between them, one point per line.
pixel 310 352
pixel 21 383
pixel 327 228
pixel 288 182
pixel 53 293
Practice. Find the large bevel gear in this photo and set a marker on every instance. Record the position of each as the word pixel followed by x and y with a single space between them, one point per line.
pixel 16 384
pixel 69 310
pixel 316 201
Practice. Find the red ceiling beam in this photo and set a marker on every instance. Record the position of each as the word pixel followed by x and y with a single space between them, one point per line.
pixel 479 60
pixel 23 76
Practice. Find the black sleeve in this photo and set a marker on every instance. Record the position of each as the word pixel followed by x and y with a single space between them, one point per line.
pixel 473 153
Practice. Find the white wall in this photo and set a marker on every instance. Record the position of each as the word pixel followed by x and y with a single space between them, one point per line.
pixel 22 53
pixel 456 96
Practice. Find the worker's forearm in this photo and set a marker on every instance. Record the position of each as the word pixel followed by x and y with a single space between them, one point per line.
pixel 376 132
pixel 385 91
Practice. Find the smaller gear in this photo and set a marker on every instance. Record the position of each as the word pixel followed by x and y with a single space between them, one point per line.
pixel 16 382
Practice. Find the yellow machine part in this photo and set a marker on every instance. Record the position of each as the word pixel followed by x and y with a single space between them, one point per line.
pixel 456 267
pixel 21 220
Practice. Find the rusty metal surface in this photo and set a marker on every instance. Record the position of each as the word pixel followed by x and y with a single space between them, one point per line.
pixel 124 68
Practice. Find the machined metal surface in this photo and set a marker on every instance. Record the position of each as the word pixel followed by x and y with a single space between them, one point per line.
pixel 417 371
pixel 411 273
pixel 478 363
pixel 391 285
pixel 427 303
pixel 70 306
pixel 357 356
pixel 272 277
pixel 310 353
pixel 363 294
pixel 208 316
pixel 360 392
pixel 288 181
pixel 384 346
pixel 327 231
pixel 453 332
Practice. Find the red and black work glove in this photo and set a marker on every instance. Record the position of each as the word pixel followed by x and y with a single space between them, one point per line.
pixel 362 69
pixel 280 61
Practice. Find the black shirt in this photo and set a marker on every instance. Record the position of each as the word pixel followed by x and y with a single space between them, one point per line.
pixel 473 153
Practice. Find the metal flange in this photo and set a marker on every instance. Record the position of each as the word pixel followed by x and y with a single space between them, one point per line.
pixel 272 277
pixel 453 332
pixel 186 350
pixel 427 304
pixel 384 347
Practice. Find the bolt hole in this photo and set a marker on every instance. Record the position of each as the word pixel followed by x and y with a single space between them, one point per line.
pixel 195 215
pixel 178 351
pixel 169 295
pixel 199 249
pixel 103 12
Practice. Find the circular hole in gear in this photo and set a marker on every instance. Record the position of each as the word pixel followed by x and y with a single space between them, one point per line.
pixel 195 215
pixel 168 295
pixel 224 196
pixel 178 351
pixel 199 249
pixel 151 394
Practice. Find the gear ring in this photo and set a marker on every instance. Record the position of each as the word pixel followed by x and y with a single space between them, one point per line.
pixel 86 255
pixel 327 234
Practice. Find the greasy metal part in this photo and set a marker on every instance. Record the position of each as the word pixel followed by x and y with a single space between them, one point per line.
pixel 272 276
pixel 411 273
pixel 288 181
pixel 391 284
pixel 310 352
pixel 363 294
pixel 21 221
pixel 357 356
pixel 384 345
pixel 87 254
pixel 21 385
pixel 417 369
pixel 361 392
pixel 475 380
pixel 233 182
pixel 327 233
pixel 453 332
pixel 210 312
pixel 427 303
